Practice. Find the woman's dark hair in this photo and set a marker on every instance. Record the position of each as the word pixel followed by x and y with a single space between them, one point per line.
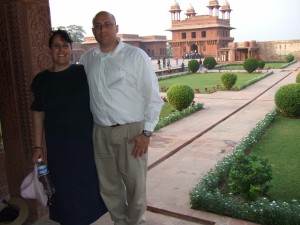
pixel 64 35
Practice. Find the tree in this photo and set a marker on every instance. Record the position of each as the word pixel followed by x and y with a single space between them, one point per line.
pixel 169 50
pixel 76 32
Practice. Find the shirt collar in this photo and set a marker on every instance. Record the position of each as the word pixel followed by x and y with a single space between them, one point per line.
pixel 113 52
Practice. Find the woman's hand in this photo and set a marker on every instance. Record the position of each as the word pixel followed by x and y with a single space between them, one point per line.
pixel 38 127
pixel 39 153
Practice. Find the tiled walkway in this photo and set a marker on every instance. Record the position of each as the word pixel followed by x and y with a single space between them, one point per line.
pixel 182 152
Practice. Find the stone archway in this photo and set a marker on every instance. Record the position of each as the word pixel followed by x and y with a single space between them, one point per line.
pixel 194 48
pixel 25 28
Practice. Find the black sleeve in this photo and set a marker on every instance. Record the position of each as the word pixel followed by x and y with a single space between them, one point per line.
pixel 36 89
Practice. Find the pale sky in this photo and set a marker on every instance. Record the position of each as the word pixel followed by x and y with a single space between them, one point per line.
pixel 260 20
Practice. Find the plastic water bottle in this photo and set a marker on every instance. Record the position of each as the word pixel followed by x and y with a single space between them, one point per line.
pixel 45 179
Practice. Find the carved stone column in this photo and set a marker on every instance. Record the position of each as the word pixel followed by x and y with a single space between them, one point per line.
pixel 25 27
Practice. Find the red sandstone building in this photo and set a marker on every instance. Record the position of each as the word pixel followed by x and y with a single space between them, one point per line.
pixel 154 46
pixel 203 34
pixel 207 35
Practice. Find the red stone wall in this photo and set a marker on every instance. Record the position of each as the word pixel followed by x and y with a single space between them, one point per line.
pixel 25 28
pixel 4 193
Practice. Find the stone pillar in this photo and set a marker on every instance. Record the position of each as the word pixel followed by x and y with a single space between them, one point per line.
pixel 25 28
pixel 231 55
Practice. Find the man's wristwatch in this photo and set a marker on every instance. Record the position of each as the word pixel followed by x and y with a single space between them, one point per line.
pixel 147 133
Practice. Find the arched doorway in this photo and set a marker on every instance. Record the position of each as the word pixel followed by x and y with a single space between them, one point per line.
pixel 194 48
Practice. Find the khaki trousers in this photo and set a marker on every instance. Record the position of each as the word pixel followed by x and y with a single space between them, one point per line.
pixel 122 177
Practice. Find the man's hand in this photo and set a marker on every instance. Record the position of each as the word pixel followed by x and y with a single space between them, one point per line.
pixel 141 145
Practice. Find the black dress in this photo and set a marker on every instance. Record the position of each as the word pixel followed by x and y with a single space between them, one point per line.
pixel 64 98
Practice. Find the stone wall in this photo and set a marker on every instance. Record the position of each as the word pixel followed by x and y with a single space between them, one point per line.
pixel 277 50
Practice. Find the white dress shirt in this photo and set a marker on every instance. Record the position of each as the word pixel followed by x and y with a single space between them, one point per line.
pixel 123 86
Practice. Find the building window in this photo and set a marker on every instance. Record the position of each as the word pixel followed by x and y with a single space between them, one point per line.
pixel 203 34
pixel 204 48
pixel 160 51
pixel 183 35
pixel 193 34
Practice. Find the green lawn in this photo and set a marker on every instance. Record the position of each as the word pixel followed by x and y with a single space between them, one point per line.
pixel 209 81
pixel 166 110
pixel 280 145
pixel 273 65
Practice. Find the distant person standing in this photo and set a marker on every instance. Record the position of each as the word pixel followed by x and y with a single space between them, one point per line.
pixel 164 62
pixel 176 59
pixel 159 65
pixel 200 63
pixel 182 67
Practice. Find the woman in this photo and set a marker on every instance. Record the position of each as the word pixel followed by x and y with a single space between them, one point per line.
pixel 61 111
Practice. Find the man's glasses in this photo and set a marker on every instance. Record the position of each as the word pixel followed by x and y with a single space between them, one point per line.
pixel 106 25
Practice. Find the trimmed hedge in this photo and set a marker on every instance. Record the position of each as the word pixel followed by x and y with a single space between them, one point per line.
pixel 178 115
pixel 180 96
pixel 250 65
pixel 229 79
pixel 261 64
pixel 209 62
pixel 287 100
pixel 193 66
pixel 289 58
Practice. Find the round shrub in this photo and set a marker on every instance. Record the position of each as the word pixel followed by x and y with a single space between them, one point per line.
pixel 261 64
pixel 229 79
pixel 287 100
pixel 250 176
pixel 193 66
pixel 250 65
pixel 180 96
pixel 209 62
pixel 298 78
pixel 289 58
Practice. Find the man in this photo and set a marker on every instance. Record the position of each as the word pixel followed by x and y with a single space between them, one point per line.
pixel 125 103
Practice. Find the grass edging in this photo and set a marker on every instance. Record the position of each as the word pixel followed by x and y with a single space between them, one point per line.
pixel 252 81
pixel 173 76
pixel 288 64
pixel 207 196
pixel 177 115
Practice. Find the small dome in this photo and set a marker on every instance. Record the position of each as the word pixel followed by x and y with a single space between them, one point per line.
pixel 190 9
pixel 226 5
pixel 213 2
pixel 175 6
